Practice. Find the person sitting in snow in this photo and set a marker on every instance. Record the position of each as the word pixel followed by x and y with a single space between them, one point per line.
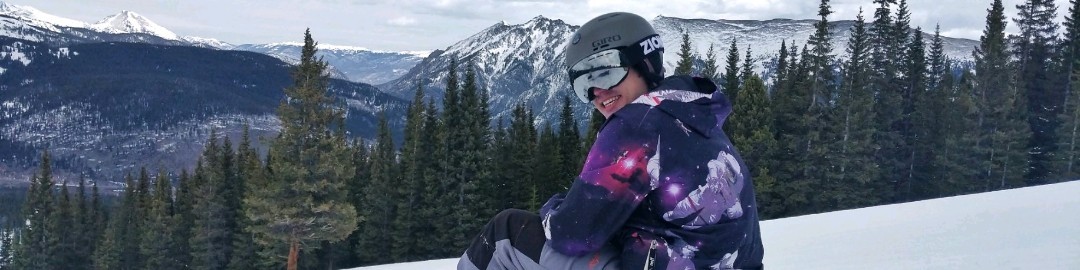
pixel 662 188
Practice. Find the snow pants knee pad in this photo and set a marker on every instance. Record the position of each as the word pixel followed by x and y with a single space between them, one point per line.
pixel 518 228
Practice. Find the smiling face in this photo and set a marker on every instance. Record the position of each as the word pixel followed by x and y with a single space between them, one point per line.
pixel 608 101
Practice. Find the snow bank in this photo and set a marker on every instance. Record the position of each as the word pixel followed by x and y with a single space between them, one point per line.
pixel 1027 228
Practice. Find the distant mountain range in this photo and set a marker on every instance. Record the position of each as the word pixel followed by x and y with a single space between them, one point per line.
pixel 109 97
pixel 351 63
pixel 123 92
pixel 523 63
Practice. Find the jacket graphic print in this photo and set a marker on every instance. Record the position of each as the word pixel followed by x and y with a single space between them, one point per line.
pixel 665 184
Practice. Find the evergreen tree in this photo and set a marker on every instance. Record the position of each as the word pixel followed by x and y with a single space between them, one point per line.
pixel 406 237
pixel 518 177
pixel 731 72
pixel 1033 51
pixel 303 202
pixel 157 242
pixel 821 83
pixel 119 249
pixel 85 234
pixel 711 70
pixel 747 67
pixel 211 239
pixel 1001 108
pixel 1069 132
pixel 546 169
pixel 60 230
pixel 435 198
pixel 570 153
pixel 471 163
pixel 183 218
pixel 849 181
pixel 790 104
pixel 756 143
pixel 781 65
pixel 922 122
pixel 248 169
pixel 35 249
pixel 378 206
pixel 686 56
pixel 888 103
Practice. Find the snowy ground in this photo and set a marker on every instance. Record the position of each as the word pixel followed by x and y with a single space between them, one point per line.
pixel 1028 228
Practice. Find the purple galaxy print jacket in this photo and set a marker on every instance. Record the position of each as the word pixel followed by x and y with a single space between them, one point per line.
pixel 663 183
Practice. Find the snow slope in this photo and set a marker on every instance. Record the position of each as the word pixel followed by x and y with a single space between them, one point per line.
pixel 1027 228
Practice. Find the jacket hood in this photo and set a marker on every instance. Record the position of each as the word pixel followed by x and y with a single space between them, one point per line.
pixel 695 102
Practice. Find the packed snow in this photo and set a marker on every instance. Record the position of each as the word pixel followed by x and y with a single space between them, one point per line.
pixel 1026 228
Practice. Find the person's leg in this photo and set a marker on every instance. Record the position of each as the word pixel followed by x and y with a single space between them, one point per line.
pixel 513 239
pixel 605 259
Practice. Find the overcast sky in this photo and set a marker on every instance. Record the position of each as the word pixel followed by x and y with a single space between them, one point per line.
pixel 418 25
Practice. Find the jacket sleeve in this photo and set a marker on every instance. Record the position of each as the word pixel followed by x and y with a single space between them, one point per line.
pixel 614 181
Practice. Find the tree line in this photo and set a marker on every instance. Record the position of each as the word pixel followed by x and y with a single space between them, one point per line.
pixel 896 120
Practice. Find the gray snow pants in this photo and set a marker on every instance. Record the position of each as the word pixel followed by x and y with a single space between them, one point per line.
pixel 514 239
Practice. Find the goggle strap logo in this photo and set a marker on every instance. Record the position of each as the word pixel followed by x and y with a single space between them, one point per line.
pixel 651 44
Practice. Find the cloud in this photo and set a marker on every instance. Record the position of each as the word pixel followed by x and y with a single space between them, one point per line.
pixel 402 21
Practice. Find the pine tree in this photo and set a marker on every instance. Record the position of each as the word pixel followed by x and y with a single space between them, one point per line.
pixel 849 181
pixel 435 198
pixel 83 235
pixel 731 72
pixel 119 246
pixel 1001 108
pixel 211 239
pixel 519 180
pixel 821 83
pixel 756 144
pixel 781 66
pixel 546 167
pixel 570 153
pixel 471 164
pixel 686 56
pixel 183 218
pixel 1033 51
pixel 711 70
pixel 248 170
pixel 1069 132
pixel 35 251
pixel 747 67
pixel 304 202
pixel 923 127
pixel 790 102
pixel 378 207
pixel 60 230
pixel 157 242
pixel 406 239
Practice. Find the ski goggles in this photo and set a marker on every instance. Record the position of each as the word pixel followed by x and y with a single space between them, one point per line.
pixel 603 70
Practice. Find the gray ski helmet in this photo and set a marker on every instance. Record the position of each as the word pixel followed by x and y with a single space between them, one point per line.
pixel 631 34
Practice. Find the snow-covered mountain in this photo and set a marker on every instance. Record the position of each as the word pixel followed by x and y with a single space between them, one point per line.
pixel 514 63
pixel 523 63
pixel 131 22
pixel 1025 228
pixel 352 63
pixel 105 109
pixel 25 22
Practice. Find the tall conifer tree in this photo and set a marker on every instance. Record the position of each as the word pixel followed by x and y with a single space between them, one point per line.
pixel 304 202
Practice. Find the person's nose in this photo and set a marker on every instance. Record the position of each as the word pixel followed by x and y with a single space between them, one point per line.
pixel 597 90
